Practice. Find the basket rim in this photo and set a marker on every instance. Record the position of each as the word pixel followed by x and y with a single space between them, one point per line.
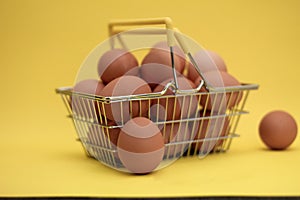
pixel 67 90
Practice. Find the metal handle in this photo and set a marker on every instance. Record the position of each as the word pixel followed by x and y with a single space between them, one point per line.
pixel 173 35
pixel 149 21
pixel 186 50
pixel 114 24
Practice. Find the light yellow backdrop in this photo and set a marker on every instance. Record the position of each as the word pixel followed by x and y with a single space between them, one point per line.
pixel 42 44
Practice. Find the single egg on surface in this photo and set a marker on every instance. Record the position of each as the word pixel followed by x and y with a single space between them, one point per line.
pixel 278 130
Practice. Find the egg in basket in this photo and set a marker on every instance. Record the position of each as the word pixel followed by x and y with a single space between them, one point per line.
pixel 149 95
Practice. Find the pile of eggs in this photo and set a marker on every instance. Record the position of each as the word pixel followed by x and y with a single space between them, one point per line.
pixel 140 142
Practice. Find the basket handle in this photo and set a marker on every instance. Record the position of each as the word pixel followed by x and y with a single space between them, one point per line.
pixel 186 50
pixel 173 34
pixel 115 24
pixel 143 22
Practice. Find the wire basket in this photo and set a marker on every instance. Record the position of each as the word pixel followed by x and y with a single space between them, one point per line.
pixel 206 123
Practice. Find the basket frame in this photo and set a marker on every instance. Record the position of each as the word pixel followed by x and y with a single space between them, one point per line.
pixel 103 149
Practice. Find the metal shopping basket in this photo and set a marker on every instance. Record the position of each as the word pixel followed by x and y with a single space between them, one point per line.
pixel 206 124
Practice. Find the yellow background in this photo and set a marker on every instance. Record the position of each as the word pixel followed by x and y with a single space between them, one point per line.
pixel 43 43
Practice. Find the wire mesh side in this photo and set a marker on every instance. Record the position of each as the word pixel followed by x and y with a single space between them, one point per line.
pixel 185 132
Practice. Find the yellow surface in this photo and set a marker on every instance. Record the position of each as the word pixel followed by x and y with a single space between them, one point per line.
pixel 42 44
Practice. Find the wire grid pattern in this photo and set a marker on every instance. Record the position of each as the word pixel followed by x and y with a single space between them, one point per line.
pixel 196 132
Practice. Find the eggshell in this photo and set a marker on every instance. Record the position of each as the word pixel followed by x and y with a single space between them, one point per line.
pixel 212 126
pixel 163 45
pixel 154 73
pixel 206 60
pixel 115 63
pixel 100 136
pixel 104 134
pixel 217 101
pixel 140 145
pixel 278 130
pixel 88 86
pixel 172 107
pixel 123 86
pixel 177 135
pixel 85 107
pixel 160 54
pixel 192 73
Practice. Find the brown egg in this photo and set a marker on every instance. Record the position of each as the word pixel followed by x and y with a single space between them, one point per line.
pixel 88 86
pixel 85 107
pixel 278 130
pixel 160 54
pixel 210 127
pixel 171 108
pixel 115 63
pixel 140 145
pixel 163 45
pixel 207 61
pixel 217 101
pixel 154 73
pixel 177 135
pixel 192 73
pixel 102 136
pixel 124 86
